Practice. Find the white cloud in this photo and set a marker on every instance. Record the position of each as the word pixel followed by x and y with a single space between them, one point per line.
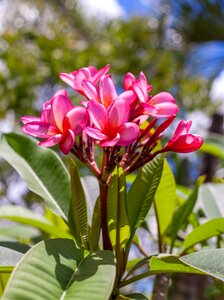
pixel 217 91
pixel 103 10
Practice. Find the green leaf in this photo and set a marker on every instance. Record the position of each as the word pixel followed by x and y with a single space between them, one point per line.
pixel 59 269
pixel 165 198
pixel 214 145
pixel 135 296
pixel 4 277
pixel 91 189
pixel 79 209
pixel 96 226
pixel 183 212
pixel 20 232
pixel 203 232
pixel 19 247
pixel 169 264
pixel 8 259
pixel 118 226
pixel 41 168
pixel 28 217
pixel 142 192
pixel 208 261
pixel 164 264
pixel 210 198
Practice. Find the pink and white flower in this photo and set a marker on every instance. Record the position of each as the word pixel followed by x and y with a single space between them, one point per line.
pixel 59 122
pixel 111 126
pixel 75 78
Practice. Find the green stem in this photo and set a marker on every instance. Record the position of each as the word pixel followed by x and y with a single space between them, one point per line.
pixel 135 278
pixel 160 243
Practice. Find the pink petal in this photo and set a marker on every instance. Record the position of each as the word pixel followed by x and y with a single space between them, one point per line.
pixel 96 134
pixel 165 109
pixel 143 82
pixel 128 133
pixel 96 77
pixel 91 90
pixel 60 107
pixel 68 142
pixel 68 78
pixel 52 141
pixel 29 119
pixel 119 113
pixel 129 96
pixel 185 143
pixel 62 92
pixel 182 128
pixel 98 114
pixel 110 143
pixel 161 98
pixel 107 90
pixel 146 109
pixel 76 119
pixel 40 129
pixel 129 78
pixel 142 95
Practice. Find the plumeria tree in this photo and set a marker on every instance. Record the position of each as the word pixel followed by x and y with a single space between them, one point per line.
pixel 113 135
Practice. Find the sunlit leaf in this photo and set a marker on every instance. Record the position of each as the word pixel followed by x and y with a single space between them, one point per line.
pixel 59 269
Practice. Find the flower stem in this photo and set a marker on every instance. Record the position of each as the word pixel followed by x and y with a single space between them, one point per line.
pixel 103 204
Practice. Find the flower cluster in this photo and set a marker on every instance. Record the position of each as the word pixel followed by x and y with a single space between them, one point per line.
pixel 111 120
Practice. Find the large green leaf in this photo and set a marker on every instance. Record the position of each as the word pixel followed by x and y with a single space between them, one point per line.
pixel 79 208
pixel 203 232
pixel 21 232
pixel 41 168
pixel 165 198
pixel 164 264
pixel 210 198
pixel 183 212
pixel 8 259
pixel 59 269
pixel 28 217
pixel 118 226
pixel 142 192
pixel 209 261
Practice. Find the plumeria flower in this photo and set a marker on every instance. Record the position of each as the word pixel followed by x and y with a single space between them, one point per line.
pixel 106 92
pixel 161 105
pixel 111 126
pixel 182 141
pixel 75 78
pixel 59 123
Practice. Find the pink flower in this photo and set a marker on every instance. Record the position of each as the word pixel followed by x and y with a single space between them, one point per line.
pixel 160 106
pixel 111 126
pixel 75 78
pixel 59 123
pixel 106 92
pixel 182 141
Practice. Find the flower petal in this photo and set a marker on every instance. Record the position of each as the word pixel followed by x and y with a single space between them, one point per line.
pixel 165 109
pixel 91 90
pixel 185 143
pixel 52 141
pixel 29 119
pixel 96 77
pixel 76 119
pixel 68 142
pixel 107 90
pixel 119 113
pixel 68 78
pixel 96 134
pixel 128 133
pixel 60 107
pixel 129 78
pixel 182 128
pixel 161 98
pixel 98 114
pixel 110 143
pixel 40 129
